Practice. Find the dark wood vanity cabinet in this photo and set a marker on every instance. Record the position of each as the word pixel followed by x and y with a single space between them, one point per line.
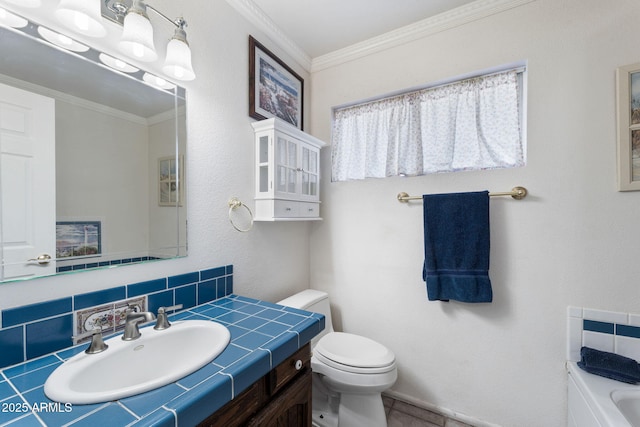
pixel 282 398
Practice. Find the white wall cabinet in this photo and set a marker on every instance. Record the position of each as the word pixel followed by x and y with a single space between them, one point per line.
pixel 287 172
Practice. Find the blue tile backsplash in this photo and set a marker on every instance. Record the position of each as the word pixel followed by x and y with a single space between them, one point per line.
pixel 34 330
pixel 84 266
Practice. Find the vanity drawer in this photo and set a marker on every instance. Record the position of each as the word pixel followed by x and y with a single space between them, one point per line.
pixel 297 363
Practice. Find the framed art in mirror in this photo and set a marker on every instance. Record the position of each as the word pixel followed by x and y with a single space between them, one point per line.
pixel 275 90
pixel 78 239
pixel 170 181
pixel 628 113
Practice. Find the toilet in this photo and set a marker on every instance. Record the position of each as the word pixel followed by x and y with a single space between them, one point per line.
pixel 349 371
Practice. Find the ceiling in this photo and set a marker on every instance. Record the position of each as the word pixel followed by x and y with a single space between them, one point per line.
pixel 322 27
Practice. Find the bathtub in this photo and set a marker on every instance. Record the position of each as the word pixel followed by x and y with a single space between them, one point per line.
pixel 595 401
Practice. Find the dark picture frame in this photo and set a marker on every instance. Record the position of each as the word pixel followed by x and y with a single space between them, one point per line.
pixel 275 90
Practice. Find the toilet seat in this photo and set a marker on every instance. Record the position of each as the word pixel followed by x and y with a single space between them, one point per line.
pixel 354 353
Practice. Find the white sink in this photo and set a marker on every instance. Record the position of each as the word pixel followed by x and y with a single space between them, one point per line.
pixel 126 368
pixel 628 402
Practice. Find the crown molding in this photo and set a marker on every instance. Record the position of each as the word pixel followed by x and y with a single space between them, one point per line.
pixel 459 16
pixel 255 15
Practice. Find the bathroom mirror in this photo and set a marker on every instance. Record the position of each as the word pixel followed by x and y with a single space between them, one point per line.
pixel 106 185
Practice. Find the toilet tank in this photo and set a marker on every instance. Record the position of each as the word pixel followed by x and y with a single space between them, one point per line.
pixel 314 301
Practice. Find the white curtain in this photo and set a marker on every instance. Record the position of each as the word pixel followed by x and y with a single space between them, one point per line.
pixel 467 125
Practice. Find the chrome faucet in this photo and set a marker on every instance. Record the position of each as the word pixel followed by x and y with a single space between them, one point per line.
pixel 133 319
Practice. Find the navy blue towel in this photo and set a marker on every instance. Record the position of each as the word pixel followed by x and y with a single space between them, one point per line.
pixel 456 247
pixel 609 365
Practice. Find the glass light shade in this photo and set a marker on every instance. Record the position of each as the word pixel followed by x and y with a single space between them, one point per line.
pixel 117 64
pixel 158 81
pixel 26 3
pixel 8 19
pixel 178 61
pixel 82 16
pixel 61 40
pixel 137 38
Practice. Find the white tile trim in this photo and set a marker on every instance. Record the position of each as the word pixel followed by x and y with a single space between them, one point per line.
pixel 606 316
pixel 577 337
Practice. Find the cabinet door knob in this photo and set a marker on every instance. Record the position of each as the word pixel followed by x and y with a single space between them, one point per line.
pixel 42 259
pixel 298 364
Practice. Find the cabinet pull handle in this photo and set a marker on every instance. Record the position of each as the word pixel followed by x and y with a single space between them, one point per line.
pixel 298 364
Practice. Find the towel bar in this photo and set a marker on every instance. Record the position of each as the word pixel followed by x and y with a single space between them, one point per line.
pixel 517 193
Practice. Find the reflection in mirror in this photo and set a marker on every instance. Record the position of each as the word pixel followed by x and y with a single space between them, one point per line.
pixel 92 167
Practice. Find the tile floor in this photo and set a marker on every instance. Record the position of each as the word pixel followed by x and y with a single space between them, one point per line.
pixel 401 414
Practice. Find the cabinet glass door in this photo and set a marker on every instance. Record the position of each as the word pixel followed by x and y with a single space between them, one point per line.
pixel 309 171
pixel 287 157
pixel 263 165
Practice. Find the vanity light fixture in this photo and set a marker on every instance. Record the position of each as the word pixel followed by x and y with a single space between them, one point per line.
pixel 61 40
pixel 8 19
pixel 137 37
pixel 82 16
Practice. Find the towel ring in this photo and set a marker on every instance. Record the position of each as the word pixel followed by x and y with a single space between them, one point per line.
pixel 235 203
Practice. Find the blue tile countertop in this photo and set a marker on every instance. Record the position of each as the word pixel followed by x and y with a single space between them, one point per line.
pixel 262 336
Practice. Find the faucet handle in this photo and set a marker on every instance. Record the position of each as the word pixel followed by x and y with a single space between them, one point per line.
pixel 162 322
pixel 163 310
pixel 132 308
pixel 97 343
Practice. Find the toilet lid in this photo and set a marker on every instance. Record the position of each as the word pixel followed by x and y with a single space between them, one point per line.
pixel 354 350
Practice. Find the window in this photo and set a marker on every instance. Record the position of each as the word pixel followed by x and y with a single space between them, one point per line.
pixel 469 124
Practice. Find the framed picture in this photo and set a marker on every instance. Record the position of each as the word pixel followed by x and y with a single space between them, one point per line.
pixel 275 90
pixel 170 183
pixel 78 239
pixel 628 83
